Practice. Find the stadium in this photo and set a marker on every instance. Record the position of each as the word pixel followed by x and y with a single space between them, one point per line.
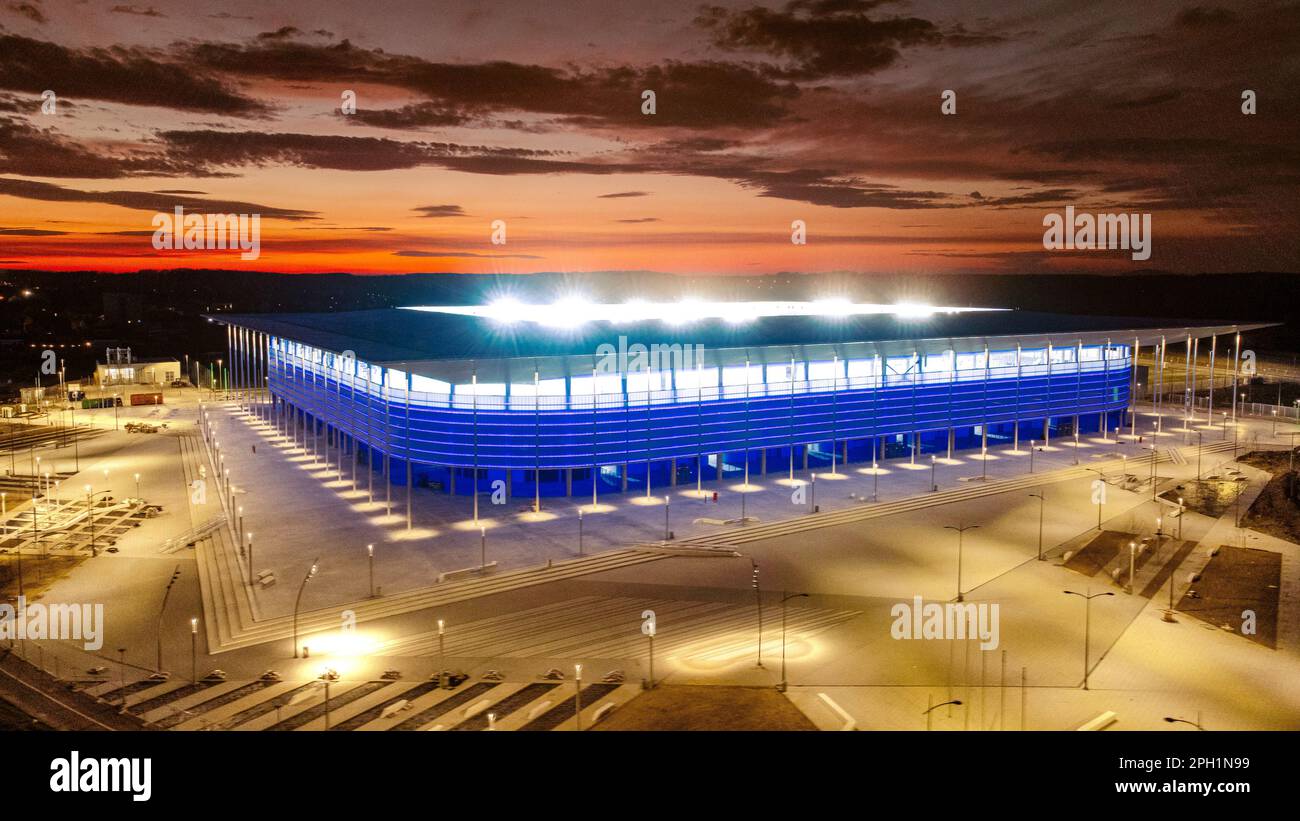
pixel 576 399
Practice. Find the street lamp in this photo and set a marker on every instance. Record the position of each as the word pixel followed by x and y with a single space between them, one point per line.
pixel 577 695
pixel 298 601
pixel 934 486
pixel 667 532
pixel 579 531
pixel 961 531
pixel 176 574
pixel 1087 625
pixel 1132 556
pixel 785 598
pixel 930 708
pixel 1196 723
pixel 194 644
pixel 1041 496
pixel 758 599
pixel 1032 443
pixel 1101 497
pixel 137 486
pixel 90 509
pixel 441 657
pixel 1199 437
pixel 370 553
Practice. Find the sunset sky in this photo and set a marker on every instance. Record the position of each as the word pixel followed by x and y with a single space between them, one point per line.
pixel 826 111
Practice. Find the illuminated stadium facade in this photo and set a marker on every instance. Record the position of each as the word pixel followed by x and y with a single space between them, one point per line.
pixel 549 399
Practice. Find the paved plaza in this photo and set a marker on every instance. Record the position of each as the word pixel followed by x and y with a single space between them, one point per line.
pixel 544 606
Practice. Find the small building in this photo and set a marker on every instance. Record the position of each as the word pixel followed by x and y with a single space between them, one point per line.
pixel 121 368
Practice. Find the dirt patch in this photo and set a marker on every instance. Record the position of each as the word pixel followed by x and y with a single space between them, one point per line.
pixel 1277 509
pixel 39 572
pixel 684 707
pixel 1236 580
pixel 1100 552
pixel 1209 497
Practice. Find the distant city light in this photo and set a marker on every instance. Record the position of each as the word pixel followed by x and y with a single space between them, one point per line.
pixel 573 311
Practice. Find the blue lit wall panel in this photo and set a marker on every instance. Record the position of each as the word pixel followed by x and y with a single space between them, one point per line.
pixel 613 432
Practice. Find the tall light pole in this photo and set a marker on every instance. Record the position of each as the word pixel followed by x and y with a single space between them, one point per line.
pixel 785 597
pixel 176 574
pixel 934 486
pixel 758 599
pixel 1196 723
pixel 194 650
pixel 297 601
pixel 90 511
pixel 137 486
pixel 370 553
pixel 667 531
pixel 442 658
pixel 1101 497
pixel 579 531
pixel 961 532
pixel 1199 436
pixel 1041 496
pixel 577 695
pixel 930 708
pixel 1087 625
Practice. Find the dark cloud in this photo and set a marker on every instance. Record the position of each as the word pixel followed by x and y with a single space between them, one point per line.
pixel 29 11
pixel 415 115
pixel 119 74
pixel 462 255
pixel 282 33
pixel 820 188
pixel 1146 101
pixel 689 94
pixel 622 194
pixel 638 221
pixel 143 200
pixel 1206 151
pixel 1048 195
pixel 1206 17
pixel 147 11
pixel 440 210
pixel 208 148
pixel 30 151
pixel 31 232
pixel 827 38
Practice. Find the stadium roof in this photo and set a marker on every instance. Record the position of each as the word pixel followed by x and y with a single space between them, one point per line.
pixel 449 343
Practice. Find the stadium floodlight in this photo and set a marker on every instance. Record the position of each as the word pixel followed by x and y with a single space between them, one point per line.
pixel 571 312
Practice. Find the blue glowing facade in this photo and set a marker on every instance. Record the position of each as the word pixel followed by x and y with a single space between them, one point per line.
pixel 550 425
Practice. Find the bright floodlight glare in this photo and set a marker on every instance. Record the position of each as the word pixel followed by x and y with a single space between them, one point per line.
pixel 567 313
pixel 507 309
pixel 914 310
pixel 572 312
pixel 834 307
